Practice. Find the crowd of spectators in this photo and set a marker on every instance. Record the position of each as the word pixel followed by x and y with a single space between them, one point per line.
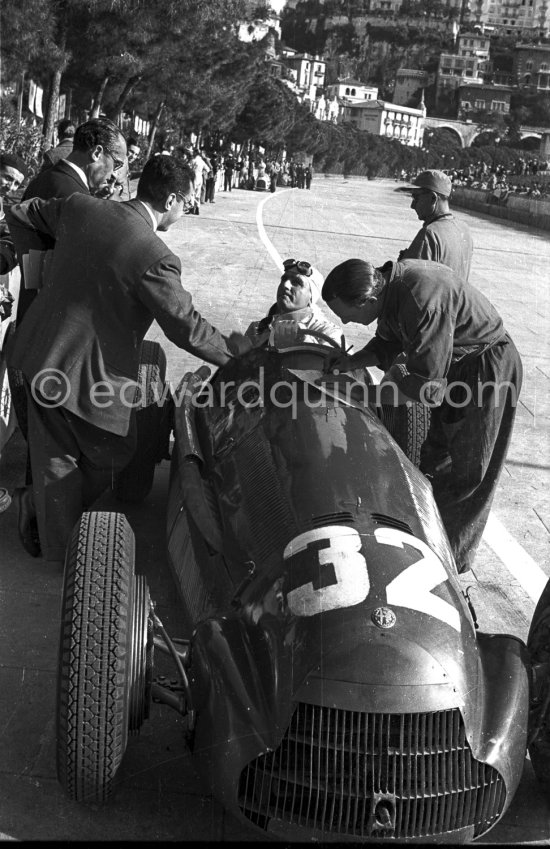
pixel 223 171
pixel 500 182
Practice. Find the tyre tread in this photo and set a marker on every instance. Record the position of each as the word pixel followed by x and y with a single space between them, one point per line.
pixel 92 682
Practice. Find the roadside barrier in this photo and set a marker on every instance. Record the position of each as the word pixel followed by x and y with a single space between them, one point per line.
pixel 524 210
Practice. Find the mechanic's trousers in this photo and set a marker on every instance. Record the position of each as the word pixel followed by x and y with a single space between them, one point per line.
pixel 72 462
pixel 475 423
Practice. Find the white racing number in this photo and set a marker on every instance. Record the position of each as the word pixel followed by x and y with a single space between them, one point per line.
pixel 413 587
pixel 342 578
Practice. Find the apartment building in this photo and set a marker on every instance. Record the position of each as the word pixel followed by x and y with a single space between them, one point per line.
pixel 352 90
pixel 380 118
pixel 305 70
pixel 511 17
pixel 489 98
pixel 531 66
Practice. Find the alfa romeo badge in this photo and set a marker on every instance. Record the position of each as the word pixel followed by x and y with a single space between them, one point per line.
pixel 383 617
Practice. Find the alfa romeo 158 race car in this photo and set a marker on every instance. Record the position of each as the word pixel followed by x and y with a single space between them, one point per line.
pixel 330 670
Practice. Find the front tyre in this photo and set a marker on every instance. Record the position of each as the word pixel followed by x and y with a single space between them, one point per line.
pixel 104 657
pixel 538 646
pixel 409 425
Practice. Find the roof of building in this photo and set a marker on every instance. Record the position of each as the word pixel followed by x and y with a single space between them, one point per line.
pixel 504 89
pixel 307 56
pixel 385 104
pixel 413 72
pixel 353 82
pixel 544 48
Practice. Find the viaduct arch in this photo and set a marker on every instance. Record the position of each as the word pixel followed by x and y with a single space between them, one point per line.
pixel 467 131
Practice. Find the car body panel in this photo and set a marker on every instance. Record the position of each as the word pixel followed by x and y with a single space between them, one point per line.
pixel 318 579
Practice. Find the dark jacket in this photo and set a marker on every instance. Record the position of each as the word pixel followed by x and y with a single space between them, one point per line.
pixel 55 154
pixel 444 240
pixel 59 181
pixel 436 318
pixel 109 277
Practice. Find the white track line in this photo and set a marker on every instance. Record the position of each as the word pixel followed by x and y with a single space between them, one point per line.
pixel 515 558
pixel 263 235
pixel 520 564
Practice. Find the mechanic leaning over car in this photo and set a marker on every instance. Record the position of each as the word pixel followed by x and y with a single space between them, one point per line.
pixel 79 346
pixel 458 360
pixel 441 238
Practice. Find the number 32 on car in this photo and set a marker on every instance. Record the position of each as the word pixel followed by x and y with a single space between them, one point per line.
pixel 341 577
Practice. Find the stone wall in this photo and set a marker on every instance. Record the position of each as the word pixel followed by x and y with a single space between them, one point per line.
pixel 534 213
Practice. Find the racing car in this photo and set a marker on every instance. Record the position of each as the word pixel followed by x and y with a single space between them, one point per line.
pixel 330 671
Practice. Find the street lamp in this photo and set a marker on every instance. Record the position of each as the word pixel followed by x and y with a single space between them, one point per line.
pixel 497 140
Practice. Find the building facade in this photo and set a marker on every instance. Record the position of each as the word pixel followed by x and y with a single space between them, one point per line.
pixel 489 98
pixel 391 120
pixel 474 44
pixel 512 17
pixel 455 70
pixel 305 70
pixel 532 67
pixel 409 84
pixel 352 90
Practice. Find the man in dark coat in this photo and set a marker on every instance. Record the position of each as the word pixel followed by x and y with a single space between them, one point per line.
pixel 99 150
pixel 79 347
pixel 65 138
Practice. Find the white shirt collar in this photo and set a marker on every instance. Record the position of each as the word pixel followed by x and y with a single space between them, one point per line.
pixel 153 219
pixel 80 173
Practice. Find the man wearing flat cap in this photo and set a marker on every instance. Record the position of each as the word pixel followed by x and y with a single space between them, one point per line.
pixel 442 238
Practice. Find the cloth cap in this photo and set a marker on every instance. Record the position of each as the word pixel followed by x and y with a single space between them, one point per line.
pixel 435 181
pixel 316 281
pixel 10 160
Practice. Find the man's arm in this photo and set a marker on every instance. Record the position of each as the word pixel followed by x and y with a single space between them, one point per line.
pixel 8 259
pixel 41 216
pixel 423 246
pixel 161 291
pixel 33 226
pixel 422 374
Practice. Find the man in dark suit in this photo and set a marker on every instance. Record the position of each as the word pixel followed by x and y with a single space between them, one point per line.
pixel 65 139
pixel 79 346
pixel 99 150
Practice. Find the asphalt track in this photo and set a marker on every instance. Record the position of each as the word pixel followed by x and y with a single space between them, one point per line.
pixel 230 257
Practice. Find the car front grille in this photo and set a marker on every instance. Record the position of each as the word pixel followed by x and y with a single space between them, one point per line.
pixel 372 775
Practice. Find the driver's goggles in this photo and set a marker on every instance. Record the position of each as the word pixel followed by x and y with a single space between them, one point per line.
pixel 301 265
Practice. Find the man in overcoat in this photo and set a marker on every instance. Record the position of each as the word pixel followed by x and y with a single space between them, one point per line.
pixel 109 277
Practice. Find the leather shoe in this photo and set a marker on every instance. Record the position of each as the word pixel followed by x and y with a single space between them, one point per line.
pixel 26 521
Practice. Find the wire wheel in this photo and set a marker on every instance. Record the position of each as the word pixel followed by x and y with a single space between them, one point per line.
pixel 141 656
pixel 104 658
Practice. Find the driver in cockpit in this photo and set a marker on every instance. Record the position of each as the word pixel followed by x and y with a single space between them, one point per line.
pixel 295 318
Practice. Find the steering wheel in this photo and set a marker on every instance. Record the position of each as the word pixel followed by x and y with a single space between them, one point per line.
pixel 317 334
pixel 324 337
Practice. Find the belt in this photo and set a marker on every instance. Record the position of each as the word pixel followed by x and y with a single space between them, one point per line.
pixel 472 352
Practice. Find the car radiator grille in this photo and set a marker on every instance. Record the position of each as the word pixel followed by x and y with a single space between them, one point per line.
pixel 372 776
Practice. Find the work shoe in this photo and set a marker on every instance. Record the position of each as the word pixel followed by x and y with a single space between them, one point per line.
pixel 27 525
